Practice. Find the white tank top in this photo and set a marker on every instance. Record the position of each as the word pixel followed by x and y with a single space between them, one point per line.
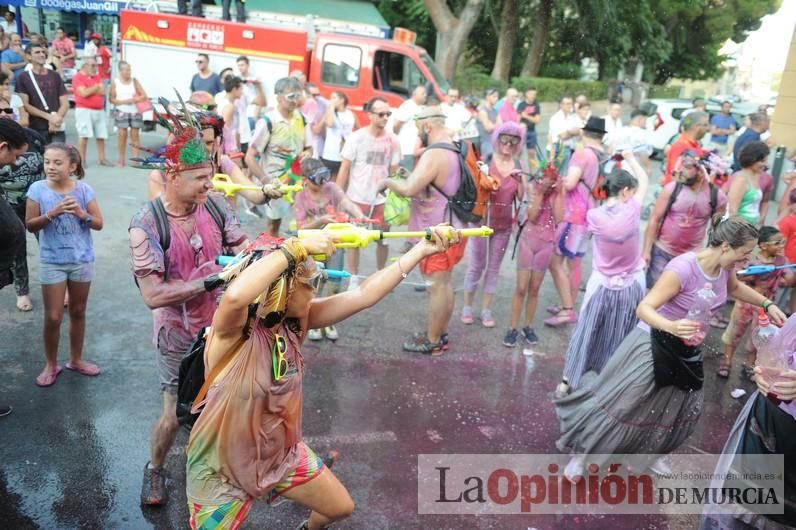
pixel 125 92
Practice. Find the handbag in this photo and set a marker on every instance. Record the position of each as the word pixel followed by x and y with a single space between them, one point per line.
pixel 142 106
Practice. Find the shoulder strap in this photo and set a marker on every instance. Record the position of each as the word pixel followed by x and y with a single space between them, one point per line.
pixel 217 369
pixel 38 91
pixel 714 199
pixel 164 232
pixel 672 198
pixel 217 213
pixel 268 123
pixel 441 145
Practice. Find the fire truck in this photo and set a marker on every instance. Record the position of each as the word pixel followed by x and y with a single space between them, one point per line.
pixel 162 48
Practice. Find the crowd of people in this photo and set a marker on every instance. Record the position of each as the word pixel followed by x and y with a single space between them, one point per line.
pixel 554 200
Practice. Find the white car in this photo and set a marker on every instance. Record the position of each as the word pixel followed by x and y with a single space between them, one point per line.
pixel 663 119
pixel 664 116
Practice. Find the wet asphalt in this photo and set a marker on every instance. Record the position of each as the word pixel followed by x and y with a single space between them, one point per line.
pixel 71 456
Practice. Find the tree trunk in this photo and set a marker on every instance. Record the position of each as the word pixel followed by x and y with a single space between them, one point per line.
pixel 507 36
pixel 533 62
pixel 453 32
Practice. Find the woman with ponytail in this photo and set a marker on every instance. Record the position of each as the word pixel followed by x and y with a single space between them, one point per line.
pixel 617 282
pixel 648 398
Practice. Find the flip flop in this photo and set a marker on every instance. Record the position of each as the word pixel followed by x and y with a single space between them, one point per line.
pixel 88 369
pixel 47 378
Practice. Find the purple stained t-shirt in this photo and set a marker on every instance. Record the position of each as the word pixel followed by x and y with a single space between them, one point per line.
pixel 684 228
pixel 617 240
pixel 578 200
pixel 66 239
pixel 501 211
pixel 692 279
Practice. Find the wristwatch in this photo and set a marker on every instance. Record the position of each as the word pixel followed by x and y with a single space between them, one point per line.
pixel 88 219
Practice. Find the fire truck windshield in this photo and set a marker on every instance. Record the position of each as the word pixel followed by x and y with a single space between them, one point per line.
pixel 435 71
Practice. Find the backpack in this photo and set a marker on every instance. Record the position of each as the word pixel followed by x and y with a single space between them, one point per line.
pixel 603 161
pixel 714 201
pixel 192 386
pixel 164 232
pixel 470 201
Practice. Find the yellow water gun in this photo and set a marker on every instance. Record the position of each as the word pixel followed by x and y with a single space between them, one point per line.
pixel 223 184
pixel 347 235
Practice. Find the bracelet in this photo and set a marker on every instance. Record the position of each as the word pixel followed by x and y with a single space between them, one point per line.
pixel 291 261
pixel 766 304
pixel 403 274
pixel 47 215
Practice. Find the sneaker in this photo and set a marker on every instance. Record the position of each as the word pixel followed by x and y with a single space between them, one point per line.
pixel 574 470
pixel 486 318
pixel 353 283
pixel 660 467
pixel 562 390
pixel 530 336
pixel 467 315
pixel 153 491
pixel 510 340
pixel 255 211
pixel 315 334
pixel 423 345
pixel 331 333
pixel 5 410
pixel 444 338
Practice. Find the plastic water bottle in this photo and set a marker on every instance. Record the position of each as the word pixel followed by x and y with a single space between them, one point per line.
pixel 700 313
pixel 771 361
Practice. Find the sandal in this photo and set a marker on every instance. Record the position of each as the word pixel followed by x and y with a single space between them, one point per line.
pixel 486 318
pixel 559 320
pixel 716 322
pixel 553 309
pixel 467 315
pixel 48 377
pixel 724 368
pixel 86 368
pixel 422 345
pixel 24 304
pixel 748 372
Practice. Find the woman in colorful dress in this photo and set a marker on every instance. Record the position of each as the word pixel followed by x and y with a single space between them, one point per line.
pixel 648 398
pixel 617 282
pixel 247 442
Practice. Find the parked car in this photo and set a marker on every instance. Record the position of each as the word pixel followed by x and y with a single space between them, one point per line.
pixel 665 116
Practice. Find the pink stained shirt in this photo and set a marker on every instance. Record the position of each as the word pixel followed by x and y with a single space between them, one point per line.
pixel 685 226
pixel 508 113
pixel 63 47
pixel 181 322
pixel 306 208
pixel 617 238
pixel 692 279
pixel 544 228
pixel 501 211
pixel 579 200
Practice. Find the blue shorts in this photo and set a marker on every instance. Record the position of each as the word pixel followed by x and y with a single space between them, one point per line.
pixel 53 273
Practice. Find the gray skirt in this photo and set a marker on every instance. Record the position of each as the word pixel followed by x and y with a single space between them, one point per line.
pixel 622 411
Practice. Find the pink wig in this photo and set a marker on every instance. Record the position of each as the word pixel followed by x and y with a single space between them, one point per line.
pixel 512 129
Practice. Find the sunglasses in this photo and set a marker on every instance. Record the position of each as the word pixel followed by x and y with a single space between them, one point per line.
pixel 386 114
pixel 315 94
pixel 315 281
pixel 508 140
pixel 293 96
pixel 320 176
pixel 7 110
pixel 197 245
pixel 200 62
pixel 278 360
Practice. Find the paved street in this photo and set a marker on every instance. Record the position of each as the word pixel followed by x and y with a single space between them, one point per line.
pixel 72 455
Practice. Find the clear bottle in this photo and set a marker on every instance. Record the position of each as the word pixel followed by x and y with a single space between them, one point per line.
pixel 700 313
pixel 771 361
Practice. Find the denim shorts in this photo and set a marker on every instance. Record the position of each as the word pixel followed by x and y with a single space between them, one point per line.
pixel 52 273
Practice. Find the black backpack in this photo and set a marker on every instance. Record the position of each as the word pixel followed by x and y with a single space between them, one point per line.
pixel 678 187
pixel 192 386
pixel 192 378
